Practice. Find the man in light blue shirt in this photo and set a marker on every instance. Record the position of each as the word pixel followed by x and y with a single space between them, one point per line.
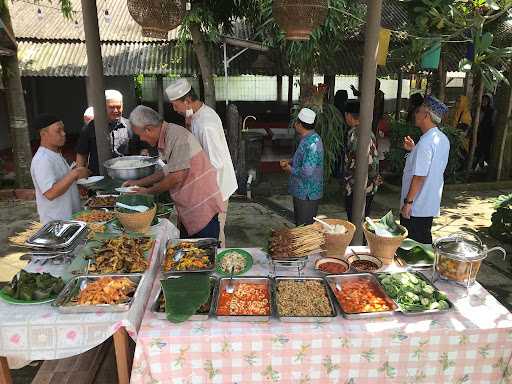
pixel 423 177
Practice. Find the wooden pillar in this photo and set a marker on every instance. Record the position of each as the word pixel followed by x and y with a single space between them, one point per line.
pixel 96 80
pixel 160 94
pixel 33 96
pixel 290 93
pixel 279 88
pixel 398 104
pixel 367 90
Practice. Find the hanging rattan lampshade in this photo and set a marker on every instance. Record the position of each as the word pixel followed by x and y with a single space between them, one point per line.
pixel 157 17
pixel 298 18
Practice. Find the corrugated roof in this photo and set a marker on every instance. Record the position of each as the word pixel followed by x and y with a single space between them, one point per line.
pixel 54 26
pixel 126 59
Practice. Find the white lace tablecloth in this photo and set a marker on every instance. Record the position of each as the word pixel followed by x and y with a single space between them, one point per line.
pixel 470 344
pixel 40 332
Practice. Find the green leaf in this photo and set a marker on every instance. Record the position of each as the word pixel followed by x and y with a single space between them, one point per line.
pixel 184 295
pixel 465 65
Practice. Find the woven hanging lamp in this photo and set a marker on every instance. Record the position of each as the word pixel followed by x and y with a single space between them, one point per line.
pixel 157 17
pixel 298 18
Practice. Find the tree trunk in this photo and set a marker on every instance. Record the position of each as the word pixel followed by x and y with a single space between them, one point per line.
pixel 234 137
pixel 476 122
pixel 330 81
pixel 306 86
pixel 441 94
pixel 398 102
pixel 500 139
pixel 205 64
pixel 17 112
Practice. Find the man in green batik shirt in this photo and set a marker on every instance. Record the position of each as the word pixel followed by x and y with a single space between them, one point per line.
pixel 374 179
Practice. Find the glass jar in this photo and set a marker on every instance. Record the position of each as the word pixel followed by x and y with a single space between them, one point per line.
pixel 459 257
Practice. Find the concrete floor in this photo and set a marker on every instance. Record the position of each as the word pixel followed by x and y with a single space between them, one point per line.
pixel 249 224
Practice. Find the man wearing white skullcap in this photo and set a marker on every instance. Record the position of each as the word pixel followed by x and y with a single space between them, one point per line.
pixel 206 126
pixel 122 140
pixel 306 169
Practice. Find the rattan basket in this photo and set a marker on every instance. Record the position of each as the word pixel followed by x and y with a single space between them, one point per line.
pixel 336 245
pixel 157 17
pixel 384 248
pixel 137 221
pixel 298 18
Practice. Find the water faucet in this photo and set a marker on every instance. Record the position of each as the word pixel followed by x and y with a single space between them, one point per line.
pixel 245 120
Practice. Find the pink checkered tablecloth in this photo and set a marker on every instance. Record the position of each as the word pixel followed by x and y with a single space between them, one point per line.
pixel 471 344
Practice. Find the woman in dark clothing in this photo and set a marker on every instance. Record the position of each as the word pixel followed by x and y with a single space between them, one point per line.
pixel 485 131
pixel 415 101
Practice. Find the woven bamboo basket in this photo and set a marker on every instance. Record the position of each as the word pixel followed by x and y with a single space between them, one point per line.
pixel 298 18
pixel 336 245
pixel 137 221
pixel 157 17
pixel 384 248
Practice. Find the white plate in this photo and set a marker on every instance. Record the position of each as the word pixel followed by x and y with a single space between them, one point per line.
pixel 90 180
pixel 126 189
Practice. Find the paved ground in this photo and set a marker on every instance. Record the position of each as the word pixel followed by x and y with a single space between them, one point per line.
pixel 249 224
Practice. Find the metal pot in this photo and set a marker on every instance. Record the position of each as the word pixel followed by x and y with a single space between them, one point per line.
pixel 130 173
pixel 459 256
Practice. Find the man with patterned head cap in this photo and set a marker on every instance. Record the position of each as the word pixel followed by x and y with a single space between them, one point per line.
pixel 206 126
pixel 423 178
pixel 122 140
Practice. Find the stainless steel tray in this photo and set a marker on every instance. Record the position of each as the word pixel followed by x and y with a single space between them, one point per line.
pixel 74 286
pixel 244 318
pixel 198 316
pixel 303 319
pixel 59 234
pixel 332 280
pixel 211 252
pixel 420 313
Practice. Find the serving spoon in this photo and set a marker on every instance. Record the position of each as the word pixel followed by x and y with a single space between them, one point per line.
pixel 230 288
pixel 329 226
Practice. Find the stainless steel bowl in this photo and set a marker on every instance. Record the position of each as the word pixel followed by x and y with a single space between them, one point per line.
pixel 130 173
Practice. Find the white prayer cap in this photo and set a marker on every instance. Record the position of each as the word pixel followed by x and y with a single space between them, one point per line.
pixel 113 95
pixel 178 89
pixel 307 116
pixel 89 112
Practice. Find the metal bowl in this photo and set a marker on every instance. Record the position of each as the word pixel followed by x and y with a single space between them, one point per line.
pixel 130 173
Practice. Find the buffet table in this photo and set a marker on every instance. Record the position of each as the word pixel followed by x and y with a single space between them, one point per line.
pixel 471 344
pixel 40 332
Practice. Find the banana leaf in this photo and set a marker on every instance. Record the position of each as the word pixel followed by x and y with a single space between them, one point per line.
pixel 386 226
pixel 184 295
pixel 413 252
pixel 131 199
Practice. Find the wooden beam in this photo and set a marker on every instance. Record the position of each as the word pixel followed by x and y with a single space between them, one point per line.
pixel 5 372
pixel 245 44
pixel 122 356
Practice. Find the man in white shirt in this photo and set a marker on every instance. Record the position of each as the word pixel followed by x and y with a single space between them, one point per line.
pixel 423 178
pixel 206 126
pixel 57 195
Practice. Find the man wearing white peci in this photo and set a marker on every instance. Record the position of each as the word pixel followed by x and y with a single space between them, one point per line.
pixel 206 126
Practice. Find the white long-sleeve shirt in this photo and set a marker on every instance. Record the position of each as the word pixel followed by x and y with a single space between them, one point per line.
pixel 206 126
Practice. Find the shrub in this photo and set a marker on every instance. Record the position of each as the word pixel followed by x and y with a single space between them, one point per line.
pixel 501 227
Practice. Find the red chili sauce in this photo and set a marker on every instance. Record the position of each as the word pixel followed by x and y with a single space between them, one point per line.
pixel 332 267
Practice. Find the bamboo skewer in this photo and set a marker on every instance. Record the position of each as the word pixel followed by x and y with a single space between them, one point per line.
pixel 295 242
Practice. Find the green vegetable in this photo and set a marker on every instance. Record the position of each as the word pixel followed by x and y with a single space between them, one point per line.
pixel 33 286
pixel 412 293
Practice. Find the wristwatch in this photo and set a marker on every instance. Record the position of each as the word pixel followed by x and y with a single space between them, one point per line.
pixel 408 201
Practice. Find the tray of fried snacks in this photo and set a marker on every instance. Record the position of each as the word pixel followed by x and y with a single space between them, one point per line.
pixel 119 255
pixel 190 255
pixel 110 293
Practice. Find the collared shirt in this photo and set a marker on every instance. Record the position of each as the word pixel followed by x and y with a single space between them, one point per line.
pixel 428 158
pixel 119 133
pixel 206 126
pixel 198 199
pixel 349 170
pixel 307 176
pixel 47 168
